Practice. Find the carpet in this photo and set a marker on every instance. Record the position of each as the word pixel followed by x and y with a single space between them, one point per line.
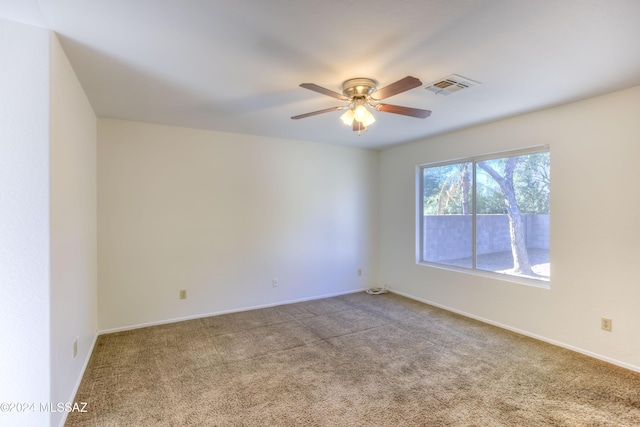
pixel 351 360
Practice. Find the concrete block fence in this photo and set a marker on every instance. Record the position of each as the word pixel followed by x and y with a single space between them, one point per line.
pixel 448 237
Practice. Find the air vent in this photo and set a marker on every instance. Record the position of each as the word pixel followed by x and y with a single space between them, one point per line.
pixel 451 84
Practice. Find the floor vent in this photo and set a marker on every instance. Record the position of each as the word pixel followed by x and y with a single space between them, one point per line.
pixel 451 84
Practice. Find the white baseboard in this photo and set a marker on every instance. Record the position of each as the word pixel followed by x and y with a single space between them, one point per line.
pixel 525 333
pixel 217 313
pixel 79 380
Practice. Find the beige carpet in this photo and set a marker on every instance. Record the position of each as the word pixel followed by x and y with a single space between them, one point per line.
pixel 353 360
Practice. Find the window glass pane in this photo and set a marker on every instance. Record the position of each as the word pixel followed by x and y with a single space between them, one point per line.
pixel 447 220
pixel 488 213
pixel 512 215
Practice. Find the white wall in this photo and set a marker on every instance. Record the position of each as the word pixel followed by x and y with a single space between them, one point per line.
pixel 74 306
pixel 24 220
pixel 220 215
pixel 48 261
pixel 595 230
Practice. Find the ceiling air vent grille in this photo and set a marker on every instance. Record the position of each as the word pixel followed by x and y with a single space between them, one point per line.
pixel 451 84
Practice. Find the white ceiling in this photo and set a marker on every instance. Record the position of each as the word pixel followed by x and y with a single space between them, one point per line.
pixel 235 65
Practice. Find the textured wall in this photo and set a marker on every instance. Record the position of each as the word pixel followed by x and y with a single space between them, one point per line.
pixel 220 215
pixel 448 237
pixel 24 220
pixel 74 276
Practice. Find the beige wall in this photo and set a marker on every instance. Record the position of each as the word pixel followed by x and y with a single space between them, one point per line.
pixel 48 263
pixel 73 275
pixel 24 220
pixel 221 215
pixel 595 230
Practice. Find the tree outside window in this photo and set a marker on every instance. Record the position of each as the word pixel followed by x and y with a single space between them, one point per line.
pixel 489 214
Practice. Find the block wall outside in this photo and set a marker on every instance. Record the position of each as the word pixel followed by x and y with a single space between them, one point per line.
pixel 448 237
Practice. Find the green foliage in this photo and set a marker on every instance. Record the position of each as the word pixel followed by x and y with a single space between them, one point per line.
pixel 490 201
pixel 532 183
pixel 444 189
pixel 489 197
pixel 445 193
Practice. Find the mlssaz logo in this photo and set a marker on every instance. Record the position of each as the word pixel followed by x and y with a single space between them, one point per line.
pixel 64 407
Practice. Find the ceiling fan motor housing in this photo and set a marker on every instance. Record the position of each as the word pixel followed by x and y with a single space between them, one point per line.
pixel 359 87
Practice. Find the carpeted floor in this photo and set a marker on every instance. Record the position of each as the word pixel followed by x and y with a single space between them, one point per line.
pixel 353 360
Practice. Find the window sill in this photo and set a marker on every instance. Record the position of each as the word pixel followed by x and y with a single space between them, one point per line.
pixel 542 284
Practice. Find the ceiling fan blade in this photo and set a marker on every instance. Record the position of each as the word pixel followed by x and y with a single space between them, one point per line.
pixel 400 86
pixel 326 110
pixel 324 91
pixel 405 111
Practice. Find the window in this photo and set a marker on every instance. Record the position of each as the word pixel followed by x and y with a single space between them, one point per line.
pixel 488 214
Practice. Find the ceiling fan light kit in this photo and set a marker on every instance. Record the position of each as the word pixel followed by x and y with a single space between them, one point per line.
pixel 361 93
pixel 347 117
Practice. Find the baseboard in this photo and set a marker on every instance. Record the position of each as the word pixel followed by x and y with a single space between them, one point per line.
pixel 77 385
pixel 217 313
pixel 525 333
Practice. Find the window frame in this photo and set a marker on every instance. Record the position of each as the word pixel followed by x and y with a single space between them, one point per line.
pixel 545 284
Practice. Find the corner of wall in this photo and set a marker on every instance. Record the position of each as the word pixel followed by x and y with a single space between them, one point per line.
pixel 73 228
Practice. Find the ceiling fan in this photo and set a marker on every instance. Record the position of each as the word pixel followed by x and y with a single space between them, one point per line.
pixel 360 93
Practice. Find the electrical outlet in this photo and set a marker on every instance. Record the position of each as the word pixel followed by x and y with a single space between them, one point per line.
pixel 274 282
pixel 75 347
pixel 605 324
pixel 183 294
pixel 359 272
